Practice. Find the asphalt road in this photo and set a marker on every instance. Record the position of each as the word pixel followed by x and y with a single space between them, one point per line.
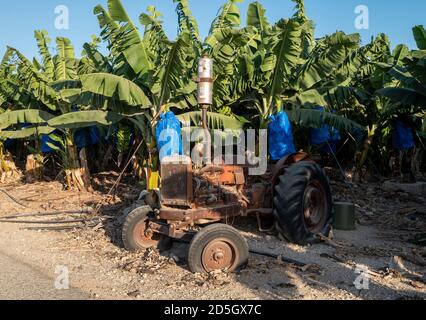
pixel 21 281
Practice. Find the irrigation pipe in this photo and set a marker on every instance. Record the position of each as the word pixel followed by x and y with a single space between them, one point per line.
pixel 43 214
pixel 278 257
pixel 47 222
pixel 12 198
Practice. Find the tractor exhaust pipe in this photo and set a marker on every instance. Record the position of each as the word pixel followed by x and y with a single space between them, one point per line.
pixel 205 98
pixel 205 87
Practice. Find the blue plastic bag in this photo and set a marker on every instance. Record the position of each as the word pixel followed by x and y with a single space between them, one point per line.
pixel 45 139
pixel 403 137
pixel 87 137
pixel 83 138
pixel 320 136
pixel 281 140
pixel 9 143
pixel 168 134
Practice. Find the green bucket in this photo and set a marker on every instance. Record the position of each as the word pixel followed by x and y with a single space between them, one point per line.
pixel 344 216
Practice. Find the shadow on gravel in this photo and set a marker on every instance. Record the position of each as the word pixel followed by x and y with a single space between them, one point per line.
pixel 325 272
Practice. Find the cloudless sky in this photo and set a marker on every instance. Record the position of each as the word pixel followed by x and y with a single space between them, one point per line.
pixel 19 18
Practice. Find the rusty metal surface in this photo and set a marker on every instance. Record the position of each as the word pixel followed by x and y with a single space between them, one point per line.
pixel 215 193
pixel 177 184
pixel 219 254
pixel 215 213
pixel 144 236
pixel 169 230
pixel 220 192
pixel 223 175
pixel 256 194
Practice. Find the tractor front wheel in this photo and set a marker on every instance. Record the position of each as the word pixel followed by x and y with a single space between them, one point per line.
pixel 137 235
pixel 303 203
pixel 217 247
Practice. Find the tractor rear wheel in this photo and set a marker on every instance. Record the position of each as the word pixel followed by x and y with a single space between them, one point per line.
pixel 136 234
pixel 303 203
pixel 217 247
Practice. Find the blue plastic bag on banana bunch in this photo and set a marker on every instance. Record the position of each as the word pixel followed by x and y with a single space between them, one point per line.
pixel 47 141
pixel 281 140
pixel 87 137
pixel 403 137
pixel 168 135
pixel 325 137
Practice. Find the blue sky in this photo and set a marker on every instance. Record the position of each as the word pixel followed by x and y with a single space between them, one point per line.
pixel 19 18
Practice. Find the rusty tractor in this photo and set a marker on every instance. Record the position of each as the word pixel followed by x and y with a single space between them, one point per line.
pixel 198 204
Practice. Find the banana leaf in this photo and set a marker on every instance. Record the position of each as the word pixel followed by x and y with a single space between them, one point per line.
pixel 215 120
pixel 256 17
pixel 26 132
pixel 30 116
pixel 420 37
pixel 116 87
pixel 316 119
pixel 82 119
pixel 404 96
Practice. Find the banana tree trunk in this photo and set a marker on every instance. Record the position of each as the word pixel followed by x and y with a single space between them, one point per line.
pixel 85 172
pixel 107 158
pixel 407 166
pixel 138 170
pixel 151 164
pixel 362 158
pixel 34 165
pixel 77 172
pixel 34 168
pixel 8 168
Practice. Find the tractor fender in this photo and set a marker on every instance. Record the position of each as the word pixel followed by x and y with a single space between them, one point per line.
pixel 287 161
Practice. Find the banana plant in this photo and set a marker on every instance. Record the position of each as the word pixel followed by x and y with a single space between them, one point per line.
pixel 7 163
pixel 403 94
pixel 161 70
pixel 149 71
pixel 254 65
pixel 260 68
pixel 372 95
pixel 409 92
pixel 271 67
pixel 37 87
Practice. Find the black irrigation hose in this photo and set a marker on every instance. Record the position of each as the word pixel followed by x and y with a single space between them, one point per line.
pixel 12 198
pixel 48 222
pixel 278 257
pixel 63 228
pixel 43 214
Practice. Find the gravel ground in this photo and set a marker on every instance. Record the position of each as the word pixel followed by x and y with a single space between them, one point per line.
pixel 100 269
